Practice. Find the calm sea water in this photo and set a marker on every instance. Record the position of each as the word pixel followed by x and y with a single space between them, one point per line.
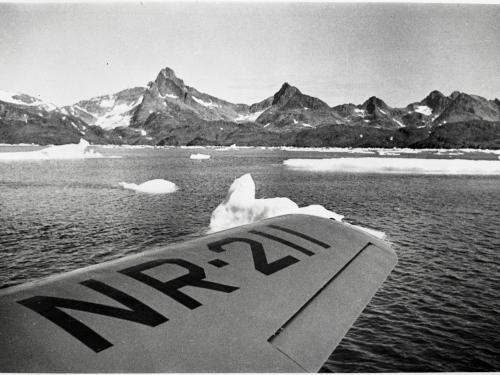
pixel 439 310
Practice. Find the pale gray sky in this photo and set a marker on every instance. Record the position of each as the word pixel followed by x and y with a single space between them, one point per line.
pixel 243 52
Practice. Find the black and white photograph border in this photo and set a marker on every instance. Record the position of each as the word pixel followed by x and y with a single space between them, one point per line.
pixel 240 186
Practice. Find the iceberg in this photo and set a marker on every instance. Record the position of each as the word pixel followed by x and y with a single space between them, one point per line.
pixel 157 186
pixel 199 156
pixel 398 165
pixel 69 151
pixel 241 207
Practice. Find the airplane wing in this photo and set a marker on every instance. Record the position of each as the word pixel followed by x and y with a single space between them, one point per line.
pixel 273 296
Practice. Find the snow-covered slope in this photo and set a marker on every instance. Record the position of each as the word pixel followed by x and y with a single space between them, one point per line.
pixel 108 111
pixel 25 100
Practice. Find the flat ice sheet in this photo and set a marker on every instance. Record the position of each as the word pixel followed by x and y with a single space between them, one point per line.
pixel 69 151
pixel 397 165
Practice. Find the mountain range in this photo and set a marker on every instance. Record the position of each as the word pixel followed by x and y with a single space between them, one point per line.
pixel 168 112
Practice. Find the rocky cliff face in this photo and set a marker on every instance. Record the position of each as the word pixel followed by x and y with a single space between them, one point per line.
pixel 167 111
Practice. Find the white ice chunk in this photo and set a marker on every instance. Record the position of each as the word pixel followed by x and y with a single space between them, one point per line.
pixel 308 125
pixel 69 151
pixel 241 207
pixel 295 121
pixel 199 156
pixel 157 186
pixel 398 165
pixel 144 132
pixel 388 152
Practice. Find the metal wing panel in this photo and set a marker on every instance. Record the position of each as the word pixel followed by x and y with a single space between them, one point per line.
pixel 210 304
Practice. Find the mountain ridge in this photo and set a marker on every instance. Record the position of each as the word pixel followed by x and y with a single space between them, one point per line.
pixel 167 111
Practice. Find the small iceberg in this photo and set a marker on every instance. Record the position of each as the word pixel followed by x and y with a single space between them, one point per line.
pixel 241 207
pixel 157 186
pixel 397 165
pixel 69 151
pixel 199 156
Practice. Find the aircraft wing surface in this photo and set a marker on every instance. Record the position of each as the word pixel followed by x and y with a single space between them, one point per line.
pixel 273 296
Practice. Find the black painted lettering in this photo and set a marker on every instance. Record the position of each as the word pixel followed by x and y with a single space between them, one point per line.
pixel 49 307
pixel 301 235
pixel 283 241
pixel 259 256
pixel 195 277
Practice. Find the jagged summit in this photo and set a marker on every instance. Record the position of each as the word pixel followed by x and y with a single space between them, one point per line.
pixel 169 112
pixel 436 101
pixel 168 72
pixel 285 93
pixel 373 103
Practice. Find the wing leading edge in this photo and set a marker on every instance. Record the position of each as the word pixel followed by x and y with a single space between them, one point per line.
pixel 277 295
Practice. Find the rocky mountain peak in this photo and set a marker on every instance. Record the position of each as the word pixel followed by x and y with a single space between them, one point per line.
pixel 436 101
pixel 434 95
pixel 374 103
pixel 285 93
pixel 168 73
pixel 167 83
pixel 455 94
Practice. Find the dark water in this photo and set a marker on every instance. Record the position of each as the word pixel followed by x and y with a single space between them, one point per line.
pixel 438 311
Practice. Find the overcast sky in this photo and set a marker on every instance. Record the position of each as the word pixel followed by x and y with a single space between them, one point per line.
pixel 243 52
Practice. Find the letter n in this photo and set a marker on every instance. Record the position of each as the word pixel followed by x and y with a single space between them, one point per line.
pixel 49 307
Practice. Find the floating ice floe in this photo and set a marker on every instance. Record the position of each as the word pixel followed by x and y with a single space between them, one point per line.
pixel 69 151
pixel 398 165
pixel 199 156
pixel 157 186
pixel 241 207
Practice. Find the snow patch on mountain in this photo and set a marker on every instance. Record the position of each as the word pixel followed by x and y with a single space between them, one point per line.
pixel 23 99
pixel 171 96
pixel 118 115
pixel 204 103
pixel 423 109
pixel 401 125
pixel 360 112
pixel 249 117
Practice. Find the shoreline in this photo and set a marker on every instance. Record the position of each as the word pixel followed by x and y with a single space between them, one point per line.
pixel 360 150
